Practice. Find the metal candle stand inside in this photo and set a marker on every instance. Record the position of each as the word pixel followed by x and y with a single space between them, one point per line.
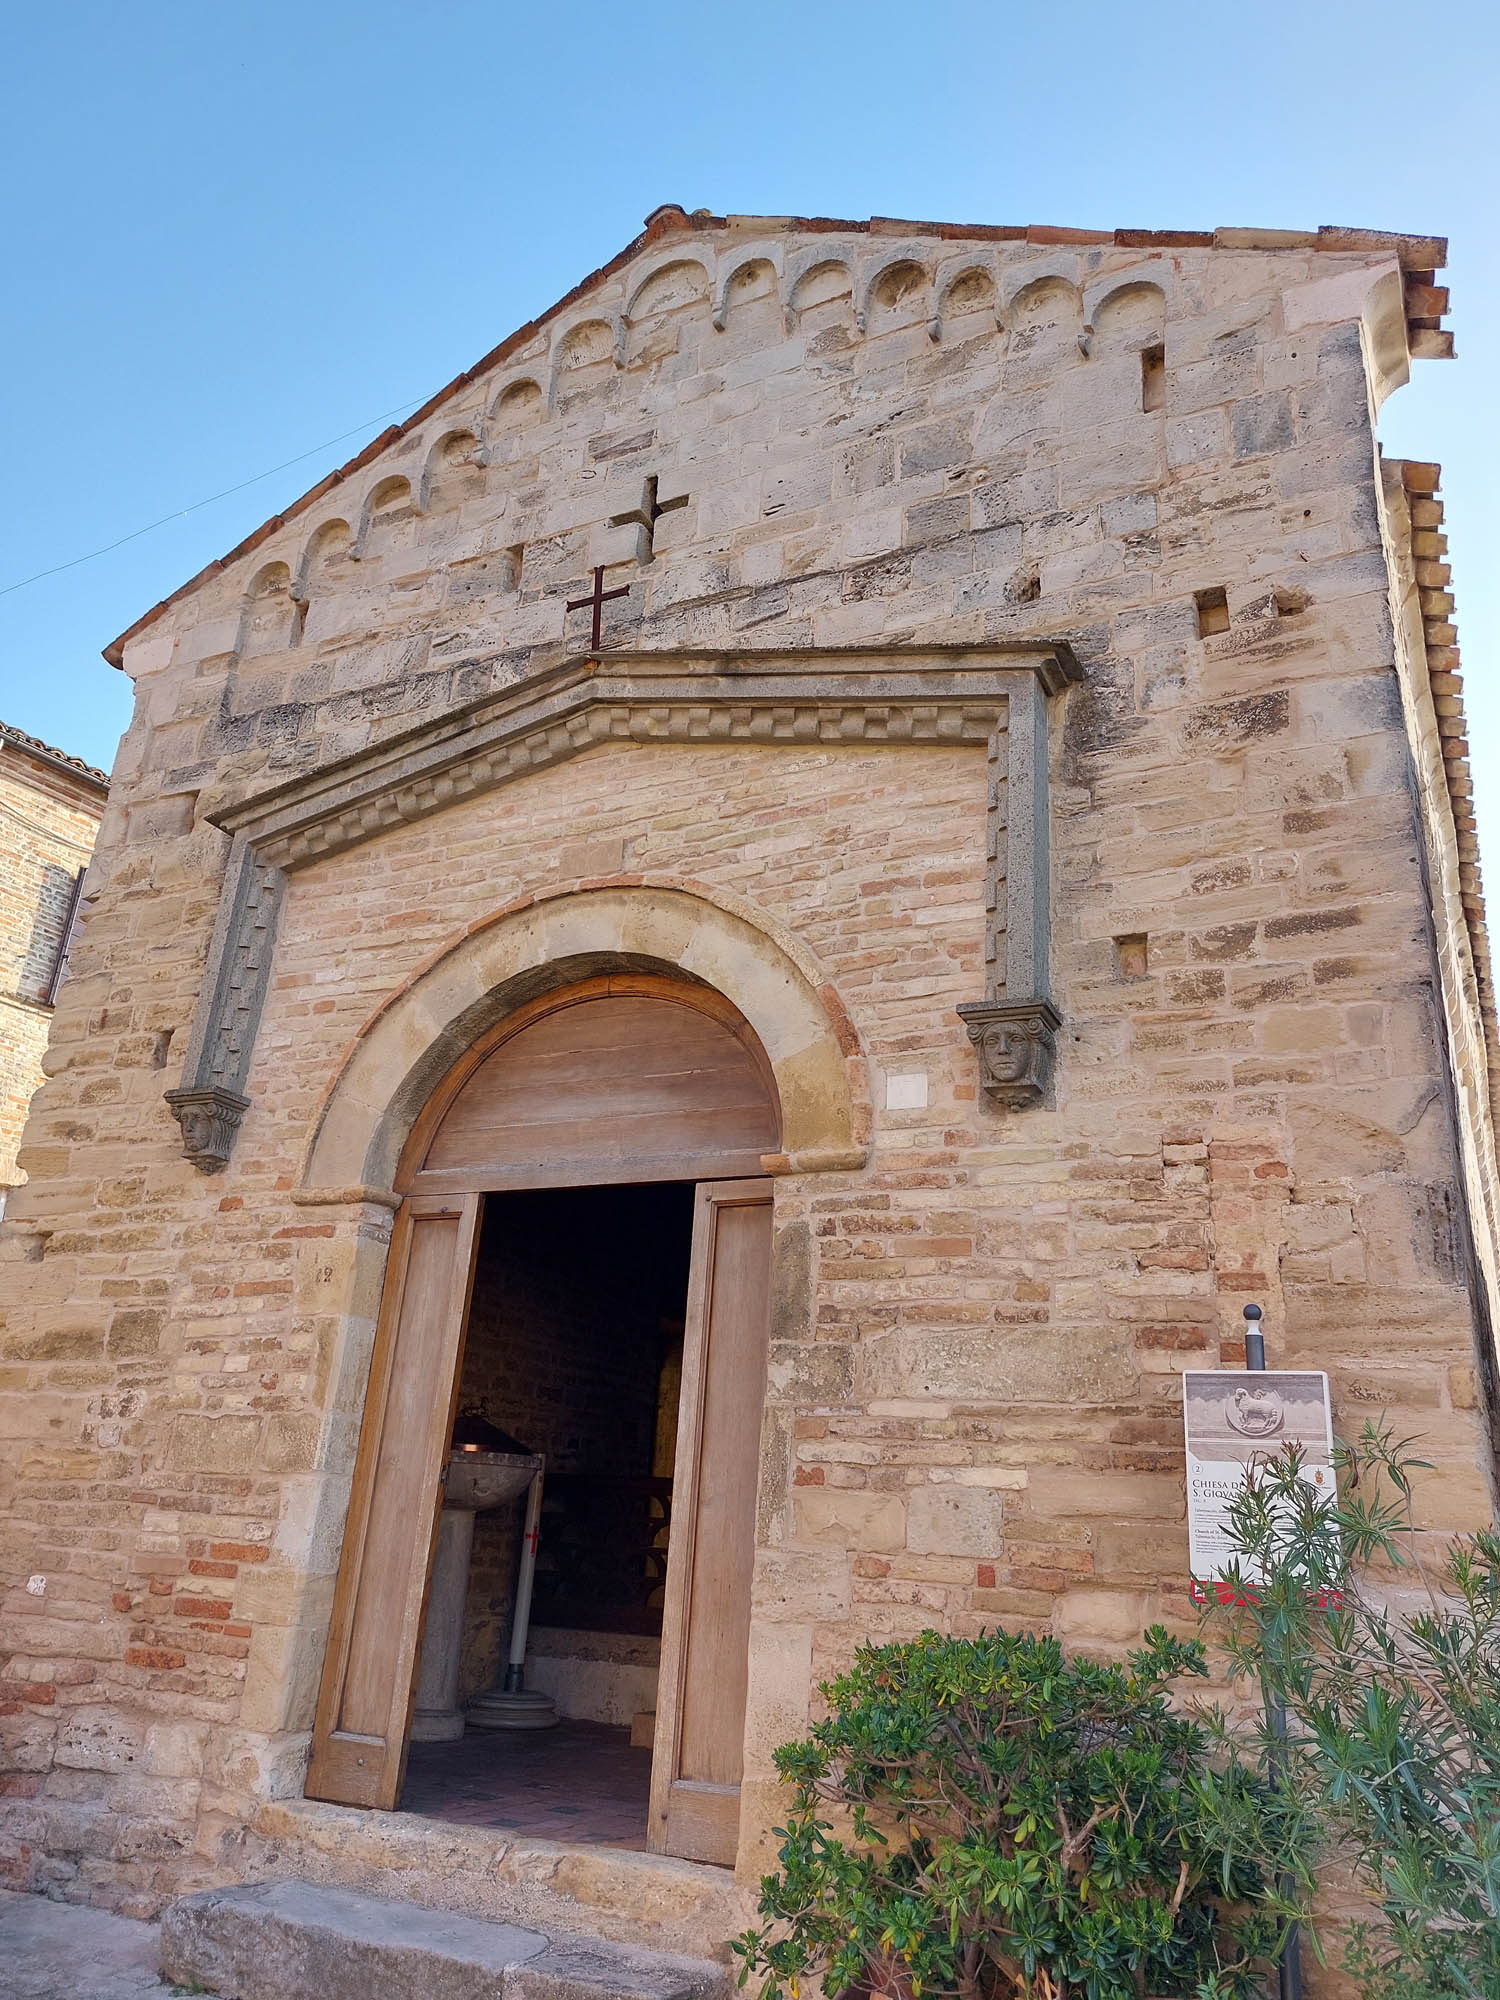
pixel 513 1705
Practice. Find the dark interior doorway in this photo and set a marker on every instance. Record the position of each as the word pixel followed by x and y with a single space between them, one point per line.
pixel 574 1348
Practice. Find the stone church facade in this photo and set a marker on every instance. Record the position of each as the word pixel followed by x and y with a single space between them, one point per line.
pixel 1022 740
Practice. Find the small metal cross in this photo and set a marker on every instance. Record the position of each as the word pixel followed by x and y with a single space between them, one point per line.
pixel 598 598
pixel 648 514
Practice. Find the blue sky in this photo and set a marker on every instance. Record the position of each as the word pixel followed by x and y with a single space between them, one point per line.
pixel 235 232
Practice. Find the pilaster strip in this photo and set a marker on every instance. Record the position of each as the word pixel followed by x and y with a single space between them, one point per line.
pixel 1027 847
pixel 1013 1029
pixel 997 857
pixel 210 1101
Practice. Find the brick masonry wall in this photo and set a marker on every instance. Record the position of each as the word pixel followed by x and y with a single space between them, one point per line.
pixel 47 828
pixel 972 1409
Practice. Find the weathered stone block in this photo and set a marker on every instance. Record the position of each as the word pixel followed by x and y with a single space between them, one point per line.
pixel 1063 1494
pixel 848 1520
pixel 290 1443
pixel 99 1739
pixel 947 1520
pixel 792 1585
pixel 1086 1616
pixel 214 1444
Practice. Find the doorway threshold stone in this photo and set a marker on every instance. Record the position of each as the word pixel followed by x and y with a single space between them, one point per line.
pixel 291 1940
pixel 618 1894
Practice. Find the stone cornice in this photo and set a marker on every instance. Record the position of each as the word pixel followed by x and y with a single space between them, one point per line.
pixel 929 694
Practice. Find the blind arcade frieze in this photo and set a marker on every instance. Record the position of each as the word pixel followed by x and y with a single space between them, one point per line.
pixel 994 697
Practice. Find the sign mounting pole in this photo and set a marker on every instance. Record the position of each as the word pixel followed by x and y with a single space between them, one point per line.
pixel 1289 1967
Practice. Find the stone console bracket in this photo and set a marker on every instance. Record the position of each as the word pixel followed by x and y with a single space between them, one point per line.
pixel 209 1118
pixel 1014 1042
pixel 990 695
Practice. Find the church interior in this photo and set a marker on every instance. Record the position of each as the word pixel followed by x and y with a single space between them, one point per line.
pixel 574 1353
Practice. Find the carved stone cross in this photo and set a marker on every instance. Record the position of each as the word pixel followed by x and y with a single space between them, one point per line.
pixel 646 516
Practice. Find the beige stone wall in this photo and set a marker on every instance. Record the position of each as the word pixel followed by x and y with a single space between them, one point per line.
pixel 972 1404
pixel 47 825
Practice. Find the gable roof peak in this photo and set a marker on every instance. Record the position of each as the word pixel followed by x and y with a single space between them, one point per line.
pixel 1418 256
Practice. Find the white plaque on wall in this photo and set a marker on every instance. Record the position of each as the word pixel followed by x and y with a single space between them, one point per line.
pixel 1234 1420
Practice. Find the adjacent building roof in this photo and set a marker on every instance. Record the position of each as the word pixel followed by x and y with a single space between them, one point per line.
pixel 1420 259
pixel 1433 578
pixel 59 759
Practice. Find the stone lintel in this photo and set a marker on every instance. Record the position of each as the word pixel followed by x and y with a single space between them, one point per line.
pixel 816 694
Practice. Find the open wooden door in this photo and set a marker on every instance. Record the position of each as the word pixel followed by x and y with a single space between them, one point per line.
pixel 700 1706
pixel 359 1738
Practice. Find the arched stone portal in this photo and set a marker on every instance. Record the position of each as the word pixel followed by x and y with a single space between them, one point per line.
pixel 622 1035
pixel 511 958
pixel 622 1077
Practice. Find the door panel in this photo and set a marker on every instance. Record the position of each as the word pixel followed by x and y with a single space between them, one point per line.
pixel 699 1750
pixel 359 1738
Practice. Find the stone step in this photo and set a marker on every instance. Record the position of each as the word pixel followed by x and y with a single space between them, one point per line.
pixel 295 1941
pixel 66 1951
pixel 654 1901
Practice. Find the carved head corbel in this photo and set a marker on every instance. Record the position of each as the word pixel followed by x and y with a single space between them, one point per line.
pixel 1014 1040
pixel 209 1118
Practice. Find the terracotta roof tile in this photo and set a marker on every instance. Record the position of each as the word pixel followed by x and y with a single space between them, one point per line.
pixel 1421 480
pixel 37 748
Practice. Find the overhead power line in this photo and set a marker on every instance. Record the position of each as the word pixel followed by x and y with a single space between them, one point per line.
pixel 270 472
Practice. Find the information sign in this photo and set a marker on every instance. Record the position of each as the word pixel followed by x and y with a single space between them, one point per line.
pixel 1234 1420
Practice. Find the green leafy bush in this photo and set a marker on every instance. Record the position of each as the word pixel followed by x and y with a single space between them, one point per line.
pixel 1389 1669
pixel 1014 1822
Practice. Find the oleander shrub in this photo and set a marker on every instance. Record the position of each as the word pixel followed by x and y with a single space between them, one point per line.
pixel 990 1817
pixel 1385 1654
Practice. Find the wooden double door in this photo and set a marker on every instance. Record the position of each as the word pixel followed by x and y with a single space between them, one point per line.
pixel 364 1707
